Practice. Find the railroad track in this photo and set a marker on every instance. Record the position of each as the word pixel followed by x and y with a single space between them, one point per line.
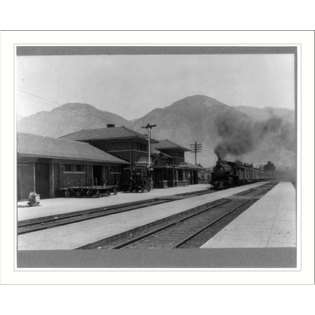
pixel 188 229
pixel 42 223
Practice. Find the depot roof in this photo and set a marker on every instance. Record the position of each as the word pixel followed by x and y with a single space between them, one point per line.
pixel 106 134
pixel 46 147
pixel 186 165
pixel 167 144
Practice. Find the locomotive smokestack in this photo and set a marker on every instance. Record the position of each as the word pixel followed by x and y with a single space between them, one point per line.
pixel 218 153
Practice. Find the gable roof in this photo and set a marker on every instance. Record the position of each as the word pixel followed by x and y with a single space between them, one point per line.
pixel 186 165
pixel 45 147
pixel 106 134
pixel 167 144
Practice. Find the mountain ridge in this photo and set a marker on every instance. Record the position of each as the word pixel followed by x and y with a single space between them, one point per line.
pixel 68 118
pixel 193 118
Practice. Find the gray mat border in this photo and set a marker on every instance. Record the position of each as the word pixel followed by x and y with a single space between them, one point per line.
pixel 285 257
pixel 149 50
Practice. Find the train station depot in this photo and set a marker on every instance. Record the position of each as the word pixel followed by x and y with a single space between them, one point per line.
pixel 99 157
pixel 46 164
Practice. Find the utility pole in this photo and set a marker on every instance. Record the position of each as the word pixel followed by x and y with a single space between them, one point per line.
pixel 149 128
pixel 196 148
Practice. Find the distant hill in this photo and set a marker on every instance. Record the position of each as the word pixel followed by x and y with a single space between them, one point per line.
pixel 246 133
pixel 68 118
pixel 208 121
pixel 188 120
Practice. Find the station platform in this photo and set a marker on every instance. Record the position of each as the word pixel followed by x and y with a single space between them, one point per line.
pixel 270 222
pixel 56 206
pixel 75 235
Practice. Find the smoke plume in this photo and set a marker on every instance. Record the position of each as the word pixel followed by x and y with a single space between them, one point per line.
pixel 240 135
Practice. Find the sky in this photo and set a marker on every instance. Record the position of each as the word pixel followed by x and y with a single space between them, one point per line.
pixel 133 85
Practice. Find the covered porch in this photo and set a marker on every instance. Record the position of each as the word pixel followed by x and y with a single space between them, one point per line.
pixel 177 175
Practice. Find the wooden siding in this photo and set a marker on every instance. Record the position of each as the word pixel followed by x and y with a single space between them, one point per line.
pixel 47 176
pixel 25 179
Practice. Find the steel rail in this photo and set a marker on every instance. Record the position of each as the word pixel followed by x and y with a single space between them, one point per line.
pixel 167 226
pixel 37 224
pixel 163 226
pixel 192 235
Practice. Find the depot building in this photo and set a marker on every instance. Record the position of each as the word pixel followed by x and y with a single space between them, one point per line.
pixel 46 164
pixel 167 158
pixel 103 156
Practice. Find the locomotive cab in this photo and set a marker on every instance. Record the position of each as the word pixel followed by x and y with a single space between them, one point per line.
pixel 223 175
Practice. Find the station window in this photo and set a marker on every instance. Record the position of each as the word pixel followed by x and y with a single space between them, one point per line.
pixel 141 147
pixel 68 167
pixel 73 168
pixel 79 168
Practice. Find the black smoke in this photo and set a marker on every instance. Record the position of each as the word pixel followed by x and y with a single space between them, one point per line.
pixel 236 138
pixel 240 135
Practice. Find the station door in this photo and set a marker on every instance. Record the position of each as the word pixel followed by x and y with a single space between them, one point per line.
pixel 25 180
pixel 98 175
pixel 42 179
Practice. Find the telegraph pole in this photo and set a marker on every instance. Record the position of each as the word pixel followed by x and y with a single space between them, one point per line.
pixel 196 148
pixel 149 128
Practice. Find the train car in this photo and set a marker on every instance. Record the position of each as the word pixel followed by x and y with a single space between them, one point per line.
pixel 228 174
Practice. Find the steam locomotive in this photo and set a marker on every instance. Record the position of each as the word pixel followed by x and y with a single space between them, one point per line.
pixel 227 174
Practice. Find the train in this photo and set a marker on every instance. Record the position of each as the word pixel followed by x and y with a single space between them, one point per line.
pixel 228 174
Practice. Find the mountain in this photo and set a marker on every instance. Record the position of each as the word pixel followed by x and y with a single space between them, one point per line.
pixel 188 120
pixel 249 134
pixel 68 118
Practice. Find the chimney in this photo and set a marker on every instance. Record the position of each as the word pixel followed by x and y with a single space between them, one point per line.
pixel 110 125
